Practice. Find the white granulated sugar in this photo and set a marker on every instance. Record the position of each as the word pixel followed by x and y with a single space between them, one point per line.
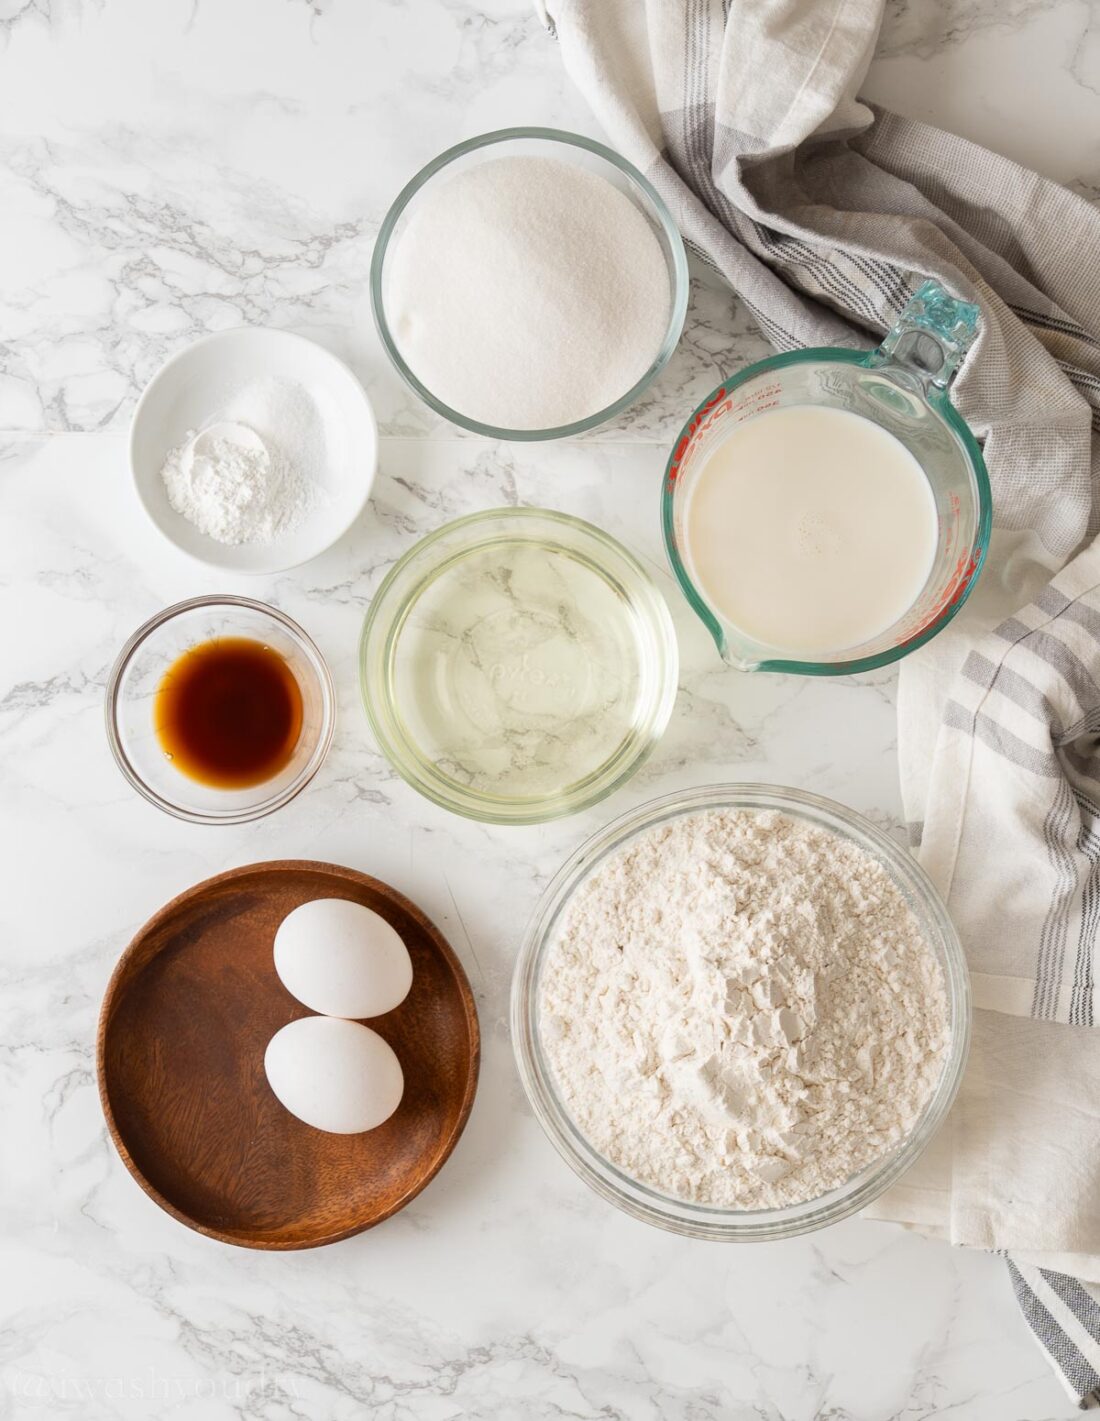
pixel 259 470
pixel 740 1010
pixel 527 293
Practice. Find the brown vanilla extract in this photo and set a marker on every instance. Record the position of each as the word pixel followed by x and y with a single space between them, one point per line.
pixel 228 713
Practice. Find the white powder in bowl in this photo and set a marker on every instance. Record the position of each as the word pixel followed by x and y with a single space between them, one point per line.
pixel 256 468
pixel 527 292
pixel 740 1010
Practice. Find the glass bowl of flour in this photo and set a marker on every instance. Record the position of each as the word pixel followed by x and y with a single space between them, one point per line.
pixel 740 1013
pixel 529 284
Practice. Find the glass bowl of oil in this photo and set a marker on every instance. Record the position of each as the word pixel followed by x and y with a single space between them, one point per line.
pixel 517 665
pixel 220 710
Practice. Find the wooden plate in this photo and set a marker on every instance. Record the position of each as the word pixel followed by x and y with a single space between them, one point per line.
pixel 188 1013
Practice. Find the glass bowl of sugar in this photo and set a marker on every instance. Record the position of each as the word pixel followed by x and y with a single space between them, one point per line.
pixel 529 284
pixel 740 1012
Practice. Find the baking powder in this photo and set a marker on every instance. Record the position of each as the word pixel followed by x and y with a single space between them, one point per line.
pixel 255 482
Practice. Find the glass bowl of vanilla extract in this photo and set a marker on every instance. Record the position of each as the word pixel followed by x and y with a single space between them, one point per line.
pixel 220 710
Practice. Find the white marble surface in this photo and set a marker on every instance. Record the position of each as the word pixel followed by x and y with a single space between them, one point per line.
pixel 182 166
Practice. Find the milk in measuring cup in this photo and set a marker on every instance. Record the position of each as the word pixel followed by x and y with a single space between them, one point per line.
pixel 811 529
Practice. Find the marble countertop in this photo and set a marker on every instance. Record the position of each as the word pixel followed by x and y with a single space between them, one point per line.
pixel 174 168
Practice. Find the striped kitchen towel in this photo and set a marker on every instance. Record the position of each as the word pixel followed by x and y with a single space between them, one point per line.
pixel 1011 837
pixel 824 214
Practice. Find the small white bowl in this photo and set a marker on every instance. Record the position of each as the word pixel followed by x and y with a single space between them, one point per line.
pixel 192 389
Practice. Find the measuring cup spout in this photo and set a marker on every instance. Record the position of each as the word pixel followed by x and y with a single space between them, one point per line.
pixel 737 653
pixel 731 648
pixel 737 657
pixel 932 335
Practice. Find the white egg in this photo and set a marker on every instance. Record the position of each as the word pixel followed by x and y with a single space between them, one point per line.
pixel 339 958
pixel 336 1075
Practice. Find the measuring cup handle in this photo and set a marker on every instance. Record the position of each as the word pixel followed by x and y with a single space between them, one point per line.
pixel 932 335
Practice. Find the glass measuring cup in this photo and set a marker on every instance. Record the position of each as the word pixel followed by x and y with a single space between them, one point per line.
pixel 902 386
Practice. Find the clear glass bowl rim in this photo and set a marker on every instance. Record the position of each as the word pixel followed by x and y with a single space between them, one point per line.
pixel 264 807
pixel 940 402
pixel 642 1201
pixel 382 620
pixel 661 214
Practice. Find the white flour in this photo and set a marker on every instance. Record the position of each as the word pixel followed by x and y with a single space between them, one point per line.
pixel 256 471
pixel 528 293
pixel 740 1010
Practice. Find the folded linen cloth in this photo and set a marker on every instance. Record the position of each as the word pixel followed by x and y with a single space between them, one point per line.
pixel 824 214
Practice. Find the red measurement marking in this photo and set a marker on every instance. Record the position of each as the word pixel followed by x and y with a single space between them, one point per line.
pixel 699 420
pixel 965 571
pixel 719 406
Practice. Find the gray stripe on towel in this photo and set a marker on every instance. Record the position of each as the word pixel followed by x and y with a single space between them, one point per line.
pixel 1084 615
pixel 987 674
pixel 1080 1008
pixel 986 729
pixel 1012 629
pixel 1081 1376
pixel 1052 940
pixel 1088 724
pixel 1083 1305
pixel 1068 664
pixel 1051 600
